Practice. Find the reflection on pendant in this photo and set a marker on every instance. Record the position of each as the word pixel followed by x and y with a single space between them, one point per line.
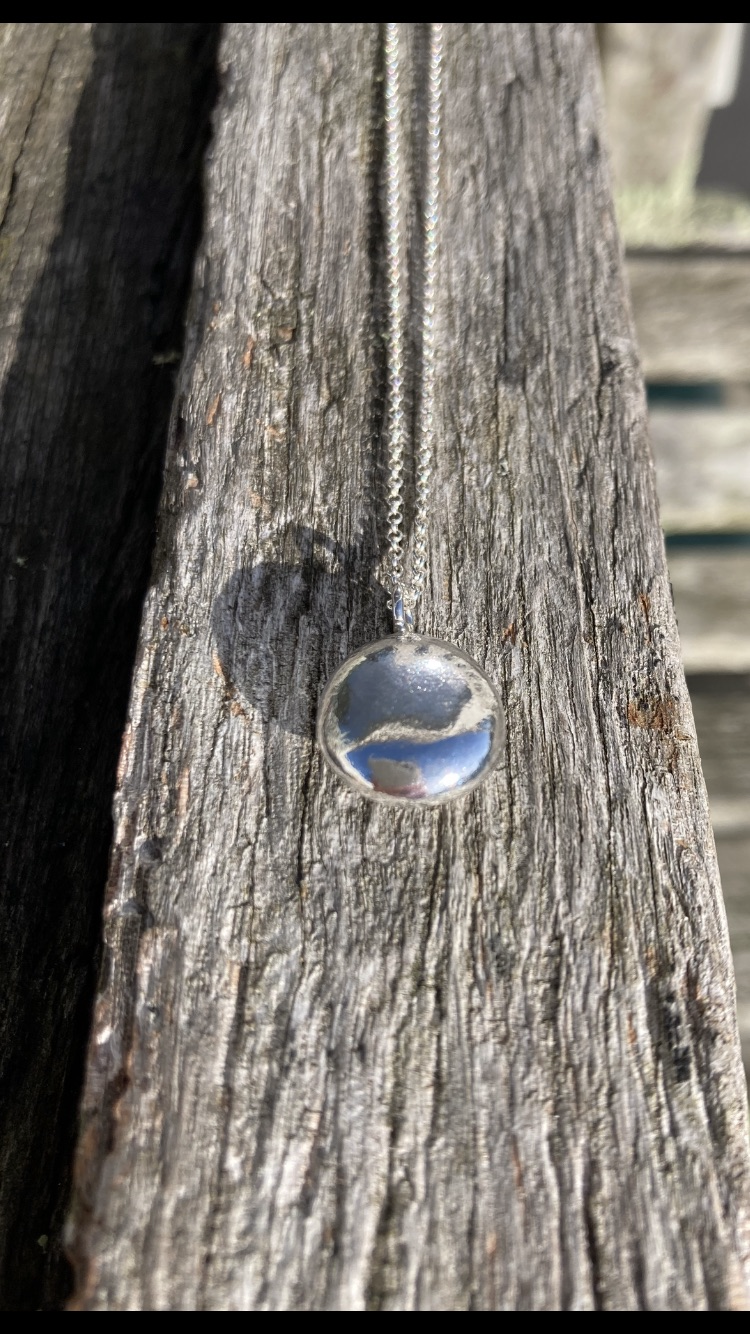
pixel 411 720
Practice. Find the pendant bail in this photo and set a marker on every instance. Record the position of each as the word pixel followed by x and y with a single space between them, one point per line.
pixel 403 621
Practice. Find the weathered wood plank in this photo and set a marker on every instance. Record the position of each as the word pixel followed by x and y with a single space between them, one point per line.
pixel 101 133
pixel 721 706
pixel 722 713
pixel 712 597
pixel 692 315
pixel 734 859
pixel 734 855
pixel 702 461
pixel 349 1057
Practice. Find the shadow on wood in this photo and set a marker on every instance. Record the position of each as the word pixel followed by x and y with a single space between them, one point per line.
pixel 256 627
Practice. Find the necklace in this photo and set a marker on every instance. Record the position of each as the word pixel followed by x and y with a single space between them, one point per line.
pixel 409 719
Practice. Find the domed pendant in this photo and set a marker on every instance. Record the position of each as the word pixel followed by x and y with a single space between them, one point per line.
pixel 411 720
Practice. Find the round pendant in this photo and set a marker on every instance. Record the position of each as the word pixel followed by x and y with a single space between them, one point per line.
pixel 411 720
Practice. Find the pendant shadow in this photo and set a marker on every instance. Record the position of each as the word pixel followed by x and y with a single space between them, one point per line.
pixel 280 628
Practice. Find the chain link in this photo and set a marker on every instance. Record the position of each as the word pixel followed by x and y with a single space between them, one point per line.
pixel 396 259
pixel 405 598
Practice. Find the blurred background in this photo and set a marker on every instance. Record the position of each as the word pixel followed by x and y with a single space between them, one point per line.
pixel 678 111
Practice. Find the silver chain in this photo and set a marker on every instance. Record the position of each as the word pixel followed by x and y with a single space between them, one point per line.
pixel 405 595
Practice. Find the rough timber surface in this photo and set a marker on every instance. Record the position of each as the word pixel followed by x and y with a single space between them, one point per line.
pixel 102 127
pixel 346 1057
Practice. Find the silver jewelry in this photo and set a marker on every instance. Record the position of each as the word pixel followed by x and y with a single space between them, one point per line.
pixel 409 719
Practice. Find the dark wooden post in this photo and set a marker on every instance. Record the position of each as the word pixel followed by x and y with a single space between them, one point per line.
pixel 349 1057
pixel 103 130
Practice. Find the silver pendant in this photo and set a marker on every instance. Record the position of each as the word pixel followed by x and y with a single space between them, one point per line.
pixel 411 720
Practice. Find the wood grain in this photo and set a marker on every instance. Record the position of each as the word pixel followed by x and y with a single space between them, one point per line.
pixel 346 1057
pixel 102 130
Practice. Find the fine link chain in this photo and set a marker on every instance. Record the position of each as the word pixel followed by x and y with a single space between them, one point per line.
pixel 426 423
pixel 395 228
pixel 396 251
